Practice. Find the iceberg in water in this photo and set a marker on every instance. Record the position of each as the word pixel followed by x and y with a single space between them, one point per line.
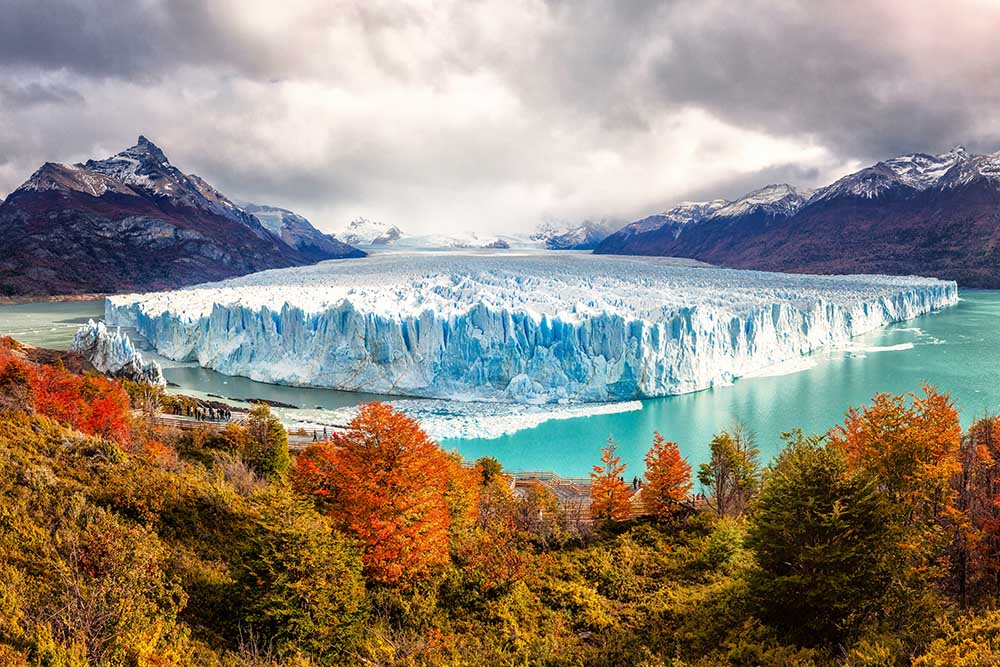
pixel 530 328
pixel 114 354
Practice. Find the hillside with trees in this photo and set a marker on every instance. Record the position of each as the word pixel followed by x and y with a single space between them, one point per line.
pixel 127 544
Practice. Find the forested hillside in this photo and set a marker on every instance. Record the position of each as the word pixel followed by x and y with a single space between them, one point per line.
pixel 125 544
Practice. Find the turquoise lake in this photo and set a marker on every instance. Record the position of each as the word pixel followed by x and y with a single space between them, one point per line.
pixel 957 349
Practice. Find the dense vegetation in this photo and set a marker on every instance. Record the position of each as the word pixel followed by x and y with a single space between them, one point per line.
pixel 877 543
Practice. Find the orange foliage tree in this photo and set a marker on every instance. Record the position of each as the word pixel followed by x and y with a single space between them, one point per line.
pixel 16 381
pixel 92 404
pixel 976 542
pixel 609 494
pixel 910 444
pixel 462 494
pixel 390 485
pixel 668 478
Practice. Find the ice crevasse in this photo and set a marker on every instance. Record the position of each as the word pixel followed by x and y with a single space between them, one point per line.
pixel 523 328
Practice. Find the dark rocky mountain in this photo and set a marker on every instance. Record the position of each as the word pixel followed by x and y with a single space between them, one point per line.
pixel 915 214
pixel 133 222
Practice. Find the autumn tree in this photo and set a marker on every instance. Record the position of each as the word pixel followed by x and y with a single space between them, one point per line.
pixel 384 481
pixel 732 475
pixel 461 494
pixel 668 478
pixel 108 412
pixel 262 442
pixel 609 494
pixel 299 581
pixel 489 468
pixel 910 444
pixel 975 549
pixel 16 380
pixel 94 405
pixel 821 536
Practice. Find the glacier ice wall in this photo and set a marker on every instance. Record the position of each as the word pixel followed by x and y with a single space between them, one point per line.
pixel 524 328
pixel 114 354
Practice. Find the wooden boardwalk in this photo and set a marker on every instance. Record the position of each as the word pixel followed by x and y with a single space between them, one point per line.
pixel 186 423
pixel 298 439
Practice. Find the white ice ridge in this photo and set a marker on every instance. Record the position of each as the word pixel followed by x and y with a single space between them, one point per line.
pixel 529 328
pixel 114 354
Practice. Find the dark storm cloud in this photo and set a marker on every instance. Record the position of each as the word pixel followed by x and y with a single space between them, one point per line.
pixel 846 72
pixel 499 111
pixel 95 37
pixel 736 186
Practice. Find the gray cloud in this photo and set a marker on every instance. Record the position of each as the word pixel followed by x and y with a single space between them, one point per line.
pixel 34 93
pixel 854 74
pixel 495 114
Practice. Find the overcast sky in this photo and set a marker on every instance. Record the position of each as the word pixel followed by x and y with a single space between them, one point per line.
pixel 493 115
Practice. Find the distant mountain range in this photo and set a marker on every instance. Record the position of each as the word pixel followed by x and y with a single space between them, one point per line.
pixel 135 222
pixel 585 235
pixel 931 215
pixel 376 235
pixel 363 231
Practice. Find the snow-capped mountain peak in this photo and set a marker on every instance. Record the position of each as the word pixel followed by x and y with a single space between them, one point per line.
pixel 869 183
pixel 570 235
pixel 295 230
pixel 973 168
pixel 146 169
pixel 921 171
pixel 912 172
pixel 146 148
pixel 70 177
pixel 362 231
pixel 693 211
pixel 775 199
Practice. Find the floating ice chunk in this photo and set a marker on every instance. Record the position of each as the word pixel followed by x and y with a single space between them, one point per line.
pixel 114 354
pixel 451 419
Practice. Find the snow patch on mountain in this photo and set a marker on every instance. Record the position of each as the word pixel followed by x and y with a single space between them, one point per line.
pixel 694 211
pixel 528 328
pixel 57 176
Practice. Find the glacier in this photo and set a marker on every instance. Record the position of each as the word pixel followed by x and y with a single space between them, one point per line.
pixel 516 327
pixel 114 354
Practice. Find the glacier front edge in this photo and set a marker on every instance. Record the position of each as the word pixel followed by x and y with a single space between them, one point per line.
pixel 528 328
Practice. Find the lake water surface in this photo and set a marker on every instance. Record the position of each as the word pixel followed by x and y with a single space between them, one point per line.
pixel 957 349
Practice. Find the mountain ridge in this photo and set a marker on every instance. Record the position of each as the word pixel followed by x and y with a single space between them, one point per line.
pixel 934 215
pixel 132 221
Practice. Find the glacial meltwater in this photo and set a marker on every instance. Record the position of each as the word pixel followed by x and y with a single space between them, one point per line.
pixel 955 348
